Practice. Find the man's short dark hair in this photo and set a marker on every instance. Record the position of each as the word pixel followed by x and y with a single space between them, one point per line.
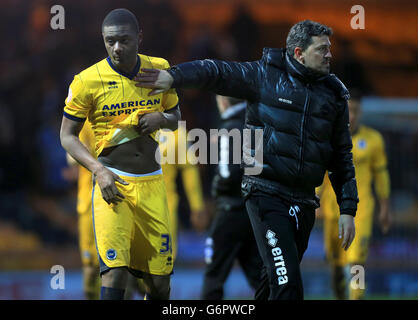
pixel 300 35
pixel 118 17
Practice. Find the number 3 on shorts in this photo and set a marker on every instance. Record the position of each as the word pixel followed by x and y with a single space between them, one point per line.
pixel 166 245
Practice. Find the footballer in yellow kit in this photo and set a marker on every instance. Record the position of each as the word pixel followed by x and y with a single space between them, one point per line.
pixel 112 103
pixel 370 163
pixel 190 179
pixel 130 211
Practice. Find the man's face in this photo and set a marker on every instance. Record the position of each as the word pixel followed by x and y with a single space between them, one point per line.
pixel 121 44
pixel 354 113
pixel 318 55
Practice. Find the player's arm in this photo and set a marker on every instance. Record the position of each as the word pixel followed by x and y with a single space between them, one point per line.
pixel 382 184
pixel 77 106
pixel 385 218
pixel 193 189
pixel 70 141
pixel 236 79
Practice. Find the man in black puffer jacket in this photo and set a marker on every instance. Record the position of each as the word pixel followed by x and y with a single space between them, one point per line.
pixel 302 110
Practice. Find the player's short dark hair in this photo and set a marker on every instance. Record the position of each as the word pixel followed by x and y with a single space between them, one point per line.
pixel 300 35
pixel 121 16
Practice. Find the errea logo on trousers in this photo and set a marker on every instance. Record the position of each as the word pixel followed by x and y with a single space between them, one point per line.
pixel 272 240
pixel 278 260
pixel 285 101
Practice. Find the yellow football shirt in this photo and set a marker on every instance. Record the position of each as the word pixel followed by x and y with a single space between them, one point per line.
pixel 112 103
pixel 370 163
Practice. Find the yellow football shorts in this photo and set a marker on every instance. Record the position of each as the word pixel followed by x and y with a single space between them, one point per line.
pixel 134 233
pixel 358 251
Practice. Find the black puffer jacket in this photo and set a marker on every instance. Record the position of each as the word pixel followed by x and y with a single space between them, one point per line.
pixel 304 116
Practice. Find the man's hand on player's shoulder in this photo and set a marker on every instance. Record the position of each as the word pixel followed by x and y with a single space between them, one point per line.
pixel 159 80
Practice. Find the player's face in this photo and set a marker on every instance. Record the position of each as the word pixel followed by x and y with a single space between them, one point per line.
pixel 122 45
pixel 354 113
pixel 318 55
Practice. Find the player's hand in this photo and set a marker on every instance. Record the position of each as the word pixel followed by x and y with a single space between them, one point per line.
pixel 106 180
pixel 159 80
pixel 385 220
pixel 149 122
pixel 346 230
pixel 200 220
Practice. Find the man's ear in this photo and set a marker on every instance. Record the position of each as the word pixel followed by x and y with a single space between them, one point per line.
pixel 298 55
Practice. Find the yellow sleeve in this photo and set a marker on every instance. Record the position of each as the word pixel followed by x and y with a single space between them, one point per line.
pixel 170 98
pixel 379 169
pixel 78 102
pixel 87 137
pixel 192 186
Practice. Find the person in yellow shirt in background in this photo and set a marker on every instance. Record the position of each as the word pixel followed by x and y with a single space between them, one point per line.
pixel 90 262
pixel 370 163
pixel 191 183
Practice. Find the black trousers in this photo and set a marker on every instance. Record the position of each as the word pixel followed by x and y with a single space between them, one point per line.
pixel 230 239
pixel 282 231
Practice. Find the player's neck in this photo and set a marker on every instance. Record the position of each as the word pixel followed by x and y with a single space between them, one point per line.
pixel 128 67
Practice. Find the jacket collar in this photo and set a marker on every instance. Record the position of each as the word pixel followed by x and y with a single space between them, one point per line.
pixel 282 60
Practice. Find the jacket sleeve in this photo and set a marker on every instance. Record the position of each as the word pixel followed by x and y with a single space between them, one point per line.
pixel 341 172
pixel 235 79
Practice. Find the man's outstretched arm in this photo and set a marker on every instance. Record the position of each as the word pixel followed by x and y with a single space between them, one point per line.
pixel 236 79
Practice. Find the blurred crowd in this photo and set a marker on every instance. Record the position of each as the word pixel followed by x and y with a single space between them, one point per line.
pixel 37 189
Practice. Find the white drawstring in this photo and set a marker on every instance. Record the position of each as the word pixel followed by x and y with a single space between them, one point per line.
pixel 293 212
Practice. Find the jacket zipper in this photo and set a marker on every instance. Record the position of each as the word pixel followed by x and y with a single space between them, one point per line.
pixel 302 133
